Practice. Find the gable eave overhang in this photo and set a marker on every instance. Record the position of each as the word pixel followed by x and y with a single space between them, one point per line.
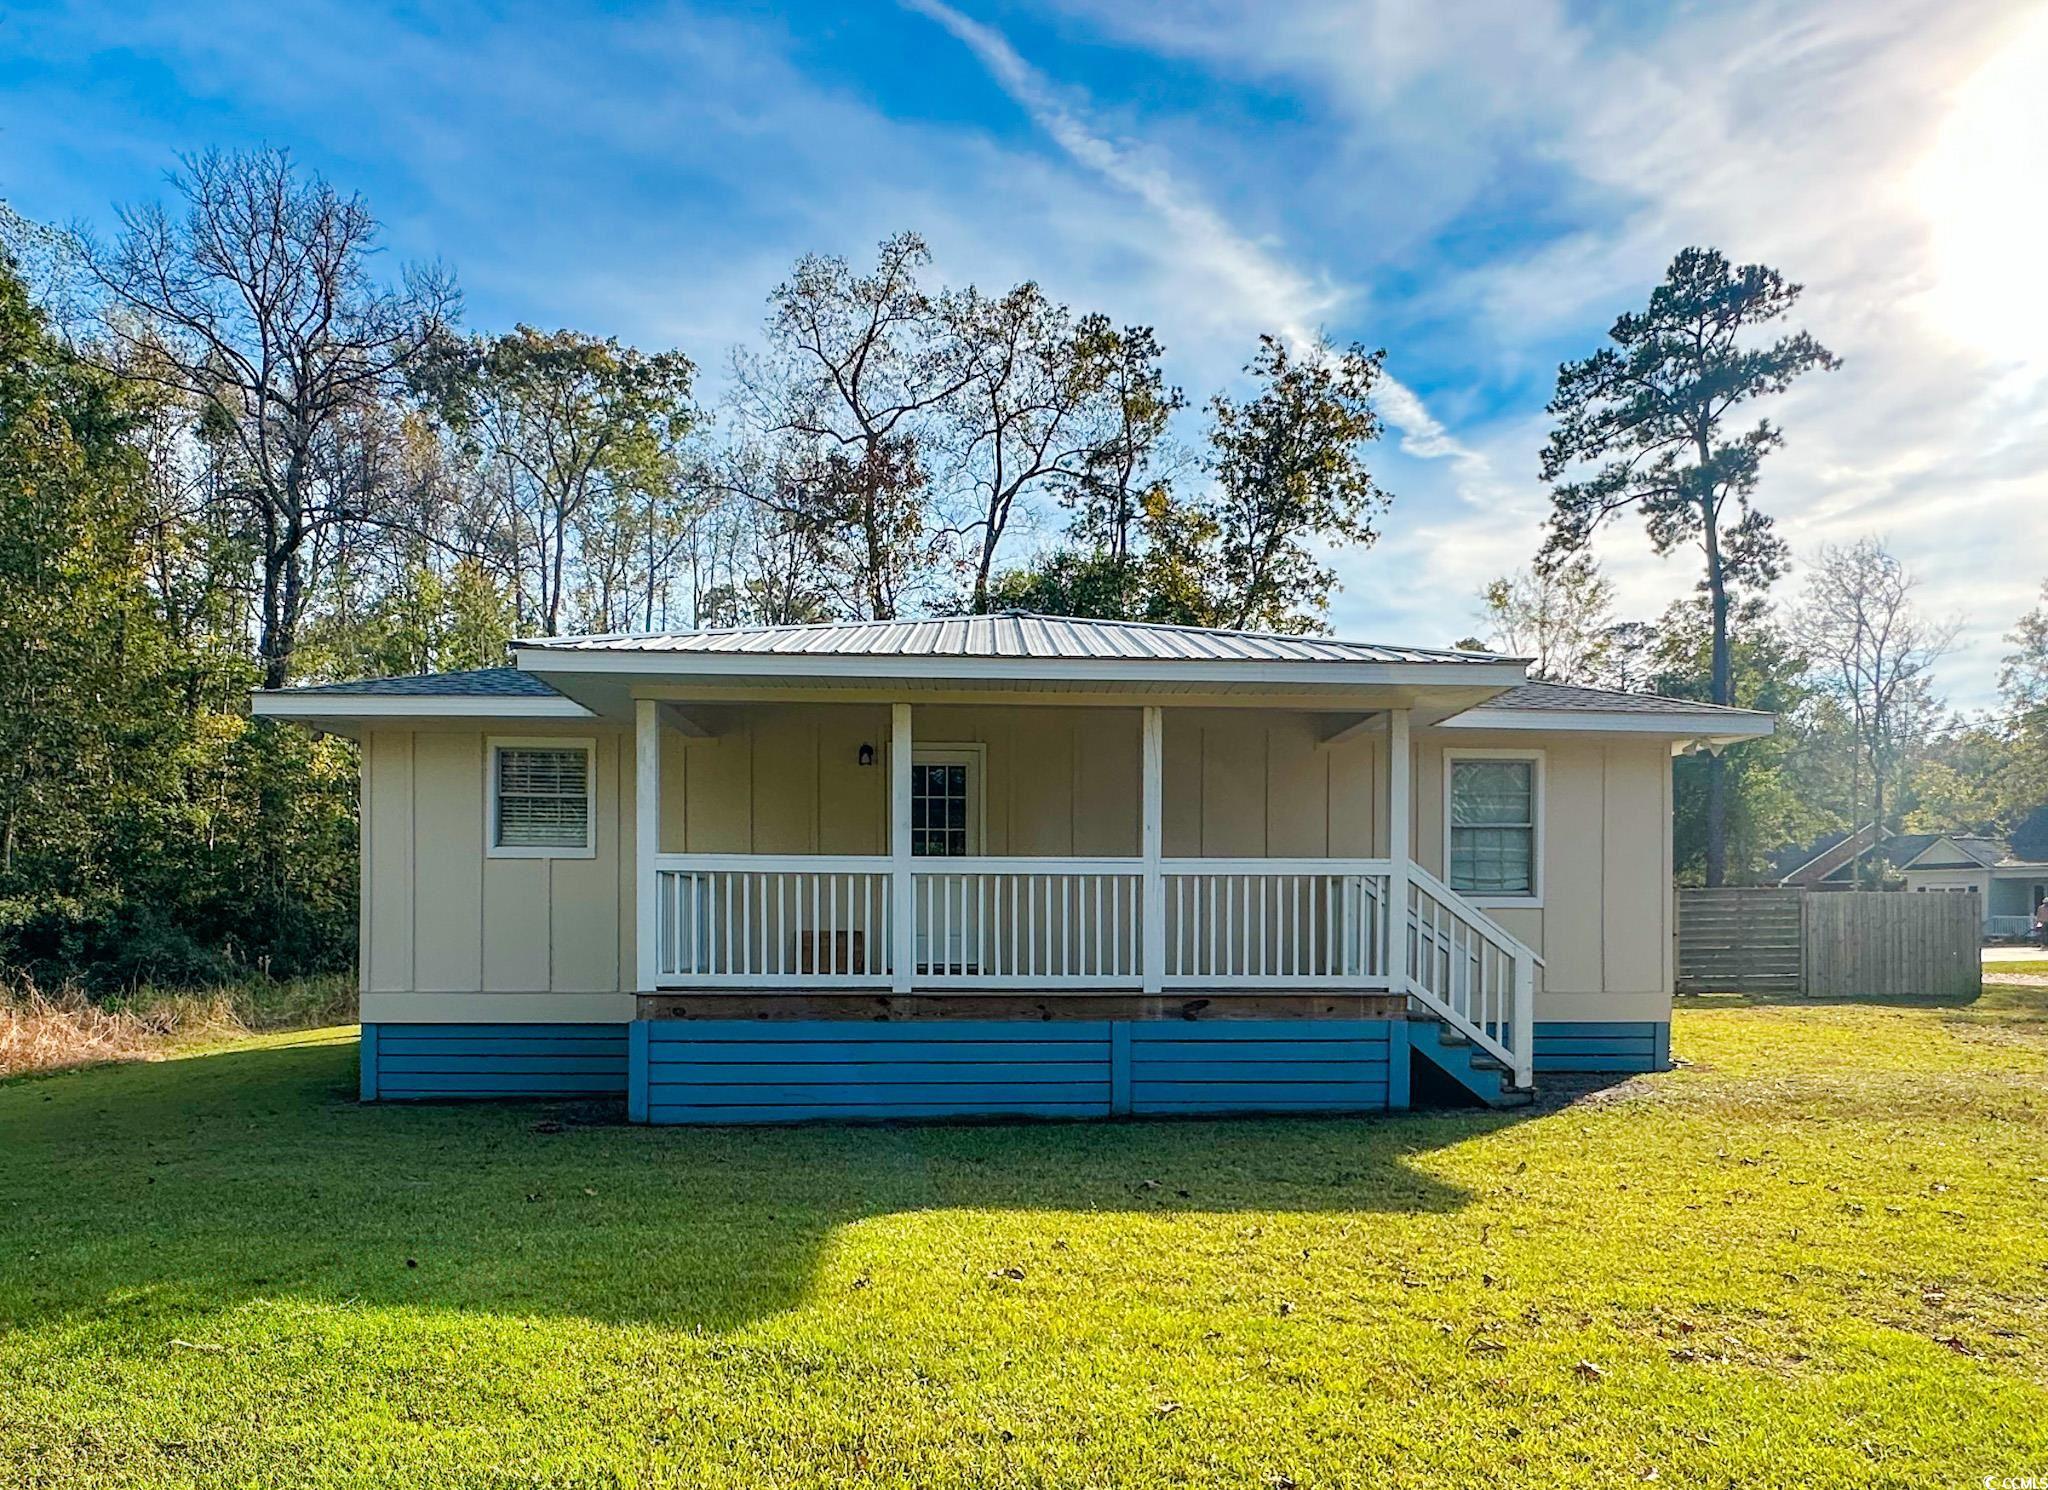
pixel 1685 729
pixel 337 712
pixel 1955 859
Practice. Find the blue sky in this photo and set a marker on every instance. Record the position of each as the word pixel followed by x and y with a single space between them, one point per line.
pixel 1477 187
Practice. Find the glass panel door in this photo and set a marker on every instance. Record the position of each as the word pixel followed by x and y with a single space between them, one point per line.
pixel 945 823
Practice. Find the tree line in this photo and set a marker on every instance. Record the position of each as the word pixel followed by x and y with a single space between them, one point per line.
pixel 240 449
pixel 1849 662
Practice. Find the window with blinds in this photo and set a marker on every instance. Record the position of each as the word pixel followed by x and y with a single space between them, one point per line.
pixel 1493 827
pixel 542 797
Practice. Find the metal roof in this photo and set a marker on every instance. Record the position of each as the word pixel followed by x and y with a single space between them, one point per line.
pixel 1018 634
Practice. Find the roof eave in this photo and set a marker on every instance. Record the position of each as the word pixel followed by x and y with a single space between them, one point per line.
pixel 1683 726
pixel 545 661
pixel 326 707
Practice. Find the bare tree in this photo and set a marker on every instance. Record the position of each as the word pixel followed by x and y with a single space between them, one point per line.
pixel 1875 653
pixel 258 304
pixel 1033 409
pixel 860 368
pixel 1562 619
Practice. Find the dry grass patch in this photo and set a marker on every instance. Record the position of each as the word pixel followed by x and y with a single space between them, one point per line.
pixel 50 1031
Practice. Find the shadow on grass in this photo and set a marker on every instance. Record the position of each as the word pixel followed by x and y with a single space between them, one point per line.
pixel 145 1197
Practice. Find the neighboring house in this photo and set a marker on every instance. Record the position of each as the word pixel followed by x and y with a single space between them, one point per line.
pixel 1836 861
pixel 2007 888
pixel 1006 864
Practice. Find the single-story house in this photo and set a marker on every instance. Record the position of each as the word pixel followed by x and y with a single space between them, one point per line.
pixel 1836 860
pixel 2007 888
pixel 1006 864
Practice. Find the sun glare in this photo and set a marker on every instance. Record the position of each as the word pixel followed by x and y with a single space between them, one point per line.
pixel 1985 191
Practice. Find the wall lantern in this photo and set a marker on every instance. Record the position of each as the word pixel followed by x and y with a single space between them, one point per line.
pixel 867 755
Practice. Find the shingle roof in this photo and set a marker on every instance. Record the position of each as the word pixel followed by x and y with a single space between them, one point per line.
pixel 1010 634
pixel 1986 851
pixel 1570 697
pixel 482 682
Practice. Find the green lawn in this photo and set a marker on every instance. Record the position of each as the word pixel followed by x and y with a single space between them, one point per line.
pixel 1817 1254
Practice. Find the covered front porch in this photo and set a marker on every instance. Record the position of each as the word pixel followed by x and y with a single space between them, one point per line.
pixel 1254 860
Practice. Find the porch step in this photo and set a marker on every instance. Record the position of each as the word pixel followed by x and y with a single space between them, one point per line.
pixel 1477 1071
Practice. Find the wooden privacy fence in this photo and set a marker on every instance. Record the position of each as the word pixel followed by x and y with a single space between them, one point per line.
pixel 1831 943
pixel 1740 941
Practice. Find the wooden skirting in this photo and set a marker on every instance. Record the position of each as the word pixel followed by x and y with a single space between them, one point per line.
pixel 1042 1006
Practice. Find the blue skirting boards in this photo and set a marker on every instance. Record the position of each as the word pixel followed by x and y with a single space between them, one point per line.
pixel 438 1062
pixel 759 1071
pixel 748 1071
pixel 1621 1046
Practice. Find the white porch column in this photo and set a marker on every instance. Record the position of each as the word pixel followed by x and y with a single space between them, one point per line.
pixel 902 912
pixel 646 842
pixel 1152 834
pixel 1400 834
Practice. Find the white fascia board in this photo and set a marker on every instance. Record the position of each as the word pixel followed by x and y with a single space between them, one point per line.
pixel 1937 843
pixel 1723 729
pixel 411 706
pixel 544 660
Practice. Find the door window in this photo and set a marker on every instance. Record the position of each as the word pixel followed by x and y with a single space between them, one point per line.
pixel 940 801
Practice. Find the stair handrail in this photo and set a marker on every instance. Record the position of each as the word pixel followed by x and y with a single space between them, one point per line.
pixel 1517 1051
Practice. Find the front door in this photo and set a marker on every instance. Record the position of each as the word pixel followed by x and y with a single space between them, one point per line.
pixel 945 823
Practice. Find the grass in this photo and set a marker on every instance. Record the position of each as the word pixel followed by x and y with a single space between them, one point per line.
pixel 1817 1255
pixel 44 1031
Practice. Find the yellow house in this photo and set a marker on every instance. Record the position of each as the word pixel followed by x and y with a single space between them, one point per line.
pixel 1006 864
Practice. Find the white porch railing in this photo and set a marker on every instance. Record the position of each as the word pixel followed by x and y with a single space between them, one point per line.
pixel 1022 922
pixel 1028 923
pixel 760 922
pixel 825 921
pixel 1275 923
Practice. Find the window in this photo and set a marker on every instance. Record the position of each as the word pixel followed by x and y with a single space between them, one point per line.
pixel 939 807
pixel 540 799
pixel 1491 812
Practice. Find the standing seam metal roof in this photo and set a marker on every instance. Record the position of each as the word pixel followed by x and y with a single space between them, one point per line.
pixel 1010 634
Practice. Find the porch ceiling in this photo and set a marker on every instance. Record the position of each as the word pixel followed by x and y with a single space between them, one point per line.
pixel 609 692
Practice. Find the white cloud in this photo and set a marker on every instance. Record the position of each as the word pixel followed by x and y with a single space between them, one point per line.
pixel 1799 134
pixel 1268 292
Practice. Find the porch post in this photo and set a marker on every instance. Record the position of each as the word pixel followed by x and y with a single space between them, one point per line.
pixel 646 842
pixel 1152 954
pixel 902 913
pixel 1400 835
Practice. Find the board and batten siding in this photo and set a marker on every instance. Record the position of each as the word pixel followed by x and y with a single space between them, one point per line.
pixel 449 932
pixel 1603 925
pixel 1059 781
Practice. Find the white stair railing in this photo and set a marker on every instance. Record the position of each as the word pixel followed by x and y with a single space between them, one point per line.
pixel 1471 972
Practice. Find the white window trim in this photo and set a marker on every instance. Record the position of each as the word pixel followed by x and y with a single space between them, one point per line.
pixel 978 751
pixel 1534 899
pixel 492 745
